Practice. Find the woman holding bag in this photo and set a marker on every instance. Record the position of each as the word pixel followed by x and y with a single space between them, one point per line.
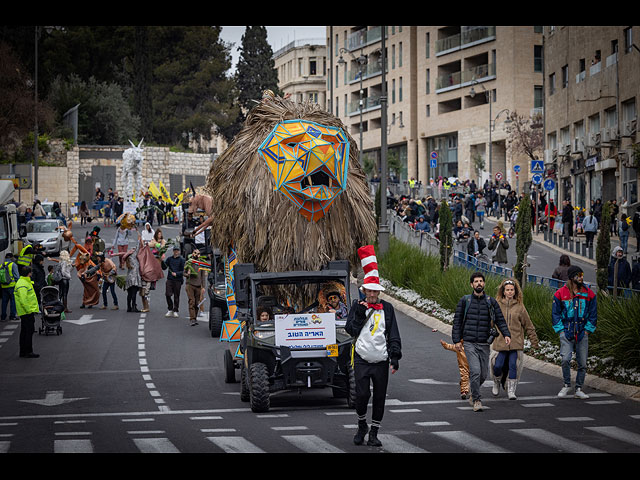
pixel 507 361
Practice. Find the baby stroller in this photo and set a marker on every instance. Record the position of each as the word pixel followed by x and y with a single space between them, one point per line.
pixel 52 310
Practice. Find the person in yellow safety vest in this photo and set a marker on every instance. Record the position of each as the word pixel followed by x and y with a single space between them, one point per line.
pixel 27 307
pixel 26 256
pixel 8 287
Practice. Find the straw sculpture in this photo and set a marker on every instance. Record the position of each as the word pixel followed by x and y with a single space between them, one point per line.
pixel 261 223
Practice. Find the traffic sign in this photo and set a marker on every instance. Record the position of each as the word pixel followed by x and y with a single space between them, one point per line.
pixel 498 175
pixel 434 154
pixel 516 168
pixel 549 184
pixel 536 179
pixel 433 163
pixel 537 166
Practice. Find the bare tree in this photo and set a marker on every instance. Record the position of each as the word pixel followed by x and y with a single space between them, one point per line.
pixel 525 135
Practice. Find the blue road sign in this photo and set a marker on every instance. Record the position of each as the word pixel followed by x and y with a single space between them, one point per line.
pixel 549 184
pixel 516 168
pixel 537 166
pixel 536 179
pixel 433 163
pixel 434 155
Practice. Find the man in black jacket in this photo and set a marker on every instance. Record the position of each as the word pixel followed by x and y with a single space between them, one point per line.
pixel 472 323
pixel 372 323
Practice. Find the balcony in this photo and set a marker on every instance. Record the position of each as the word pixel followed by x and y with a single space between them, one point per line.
pixel 369 103
pixel 364 37
pixel 372 69
pixel 465 39
pixel 455 80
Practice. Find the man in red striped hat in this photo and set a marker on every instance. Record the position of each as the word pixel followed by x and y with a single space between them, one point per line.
pixel 372 322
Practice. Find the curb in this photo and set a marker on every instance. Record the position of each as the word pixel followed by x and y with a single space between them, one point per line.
pixel 630 392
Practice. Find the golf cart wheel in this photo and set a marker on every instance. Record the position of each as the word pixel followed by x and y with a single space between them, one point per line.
pixel 259 387
pixel 351 386
pixel 229 368
pixel 244 385
pixel 215 321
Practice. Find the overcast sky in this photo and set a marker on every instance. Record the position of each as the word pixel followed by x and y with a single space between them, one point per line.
pixel 277 37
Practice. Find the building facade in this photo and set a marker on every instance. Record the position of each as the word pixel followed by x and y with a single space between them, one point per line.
pixel 592 88
pixel 301 67
pixel 439 83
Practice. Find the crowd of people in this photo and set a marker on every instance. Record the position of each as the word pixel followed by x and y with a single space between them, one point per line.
pixel 470 205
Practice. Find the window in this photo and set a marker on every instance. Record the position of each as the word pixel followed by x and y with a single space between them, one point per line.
pixel 428 110
pixel 537 58
pixel 393 91
pixel 630 184
pixel 538 99
pixel 400 90
pixel 565 76
pixel 312 66
pixel 400 55
pixel 393 57
pixel 628 39
pixel 427 44
pixel 428 77
pixel 552 84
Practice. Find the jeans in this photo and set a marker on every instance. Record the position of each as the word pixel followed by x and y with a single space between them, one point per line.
pixel 510 358
pixel 109 286
pixel 478 358
pixel 624 242
pixel 7 297
pixel 567 347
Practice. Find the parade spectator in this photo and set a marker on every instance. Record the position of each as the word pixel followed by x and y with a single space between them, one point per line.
pixel 623 232
pixel 85 214
pixel 61 276
pixel 508 360
pixel 38 275
pixel 175 267
pixel 619 269
pixel 590 227
pixel 562 270
pixel 26 308
pixel 551 212
pixel 476 245
pixel 375 349
pixel 481 206
pixel 574 317
pixel 422 225
pixel 567 219
pixel 614 209
pixel 38 211
pixel 474 316
pixel 121 242
pixel 11 275
pixel 147 233
pixel 499 244
pixel 635 223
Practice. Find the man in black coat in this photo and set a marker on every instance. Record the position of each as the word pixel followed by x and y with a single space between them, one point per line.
pixel 475 315
pixel 567 219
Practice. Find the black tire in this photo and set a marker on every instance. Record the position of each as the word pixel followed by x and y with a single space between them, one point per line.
pixel 229 368
pixel 215 321
pixel 351 386
pixel 244 385
pixel 259 387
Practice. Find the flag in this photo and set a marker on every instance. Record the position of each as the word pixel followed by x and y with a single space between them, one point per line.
pixel 153 190
pixel 165 193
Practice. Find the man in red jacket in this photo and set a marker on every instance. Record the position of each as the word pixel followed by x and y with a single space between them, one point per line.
pixel 551 212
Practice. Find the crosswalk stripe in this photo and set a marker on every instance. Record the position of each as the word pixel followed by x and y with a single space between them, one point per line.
pixel 470 442
pixel 4 447
pixel 618 434
pixel 393 444
pixel 155 445
pixel 235 445
pixel 555 441
pixel 311 444
pixel 73 446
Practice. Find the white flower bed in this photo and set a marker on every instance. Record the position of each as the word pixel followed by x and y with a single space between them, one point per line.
pixel 547 351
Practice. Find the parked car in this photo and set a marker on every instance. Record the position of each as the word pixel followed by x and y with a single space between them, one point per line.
pixel 48 209
pixel 45 235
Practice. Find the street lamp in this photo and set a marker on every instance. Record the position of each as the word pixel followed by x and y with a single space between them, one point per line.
pixel 362 61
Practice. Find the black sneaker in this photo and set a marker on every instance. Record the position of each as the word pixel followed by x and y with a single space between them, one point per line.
pixel 358 439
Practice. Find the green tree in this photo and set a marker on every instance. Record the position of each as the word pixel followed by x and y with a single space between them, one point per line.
pixel 446 235
pixel 255 71
pixel 523 238
pixel 603 248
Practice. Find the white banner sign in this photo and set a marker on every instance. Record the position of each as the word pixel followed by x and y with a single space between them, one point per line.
pixel 310 330
pixel 129 207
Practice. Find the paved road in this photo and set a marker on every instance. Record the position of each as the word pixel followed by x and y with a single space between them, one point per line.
pixel 129 382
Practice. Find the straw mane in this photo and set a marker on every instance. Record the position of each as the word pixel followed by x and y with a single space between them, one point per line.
pixel 264 226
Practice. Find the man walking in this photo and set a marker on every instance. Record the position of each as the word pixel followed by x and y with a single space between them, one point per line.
pixel 26 307
pixel 372 323
pixel 475 316
pixel 574 316
pixel 175 269
pixel 9 277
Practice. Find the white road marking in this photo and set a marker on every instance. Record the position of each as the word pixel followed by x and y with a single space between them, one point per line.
pixel 555 441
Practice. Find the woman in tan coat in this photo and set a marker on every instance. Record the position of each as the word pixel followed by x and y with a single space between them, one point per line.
pixel 507 360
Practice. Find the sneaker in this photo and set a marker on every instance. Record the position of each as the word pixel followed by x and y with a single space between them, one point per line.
pixel 104 307
pixel 477 406
pixel 564 393
pixel 169 314
pixel 115 307
pixel 580 394
pixel 175 314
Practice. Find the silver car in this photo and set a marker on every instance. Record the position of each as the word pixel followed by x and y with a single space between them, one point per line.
pixel 47 234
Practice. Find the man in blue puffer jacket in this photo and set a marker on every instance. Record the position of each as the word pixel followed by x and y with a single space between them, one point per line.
pixel 574 316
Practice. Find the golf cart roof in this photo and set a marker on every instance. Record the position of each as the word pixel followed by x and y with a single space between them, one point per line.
pixel 297 277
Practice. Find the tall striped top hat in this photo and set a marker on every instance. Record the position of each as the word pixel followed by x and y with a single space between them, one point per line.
pixel 370 266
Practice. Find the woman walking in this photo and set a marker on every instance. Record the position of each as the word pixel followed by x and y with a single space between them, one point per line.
pixel 507 360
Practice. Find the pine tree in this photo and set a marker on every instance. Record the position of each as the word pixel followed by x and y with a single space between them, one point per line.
pixel 255 71
pixel 603 249
pixel 446 235
pixel 523 237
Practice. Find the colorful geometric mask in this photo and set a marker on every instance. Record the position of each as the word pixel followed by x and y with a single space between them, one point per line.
pixel 309 163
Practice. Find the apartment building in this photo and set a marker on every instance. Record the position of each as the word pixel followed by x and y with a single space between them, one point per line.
pixel 592 78
pixel 439 83
pixel 301 67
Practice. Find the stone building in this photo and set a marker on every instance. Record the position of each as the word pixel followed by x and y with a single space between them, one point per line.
pixel 301 67
pixel 592 76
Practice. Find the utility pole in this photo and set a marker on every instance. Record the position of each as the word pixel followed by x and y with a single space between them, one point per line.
pixel 383 229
